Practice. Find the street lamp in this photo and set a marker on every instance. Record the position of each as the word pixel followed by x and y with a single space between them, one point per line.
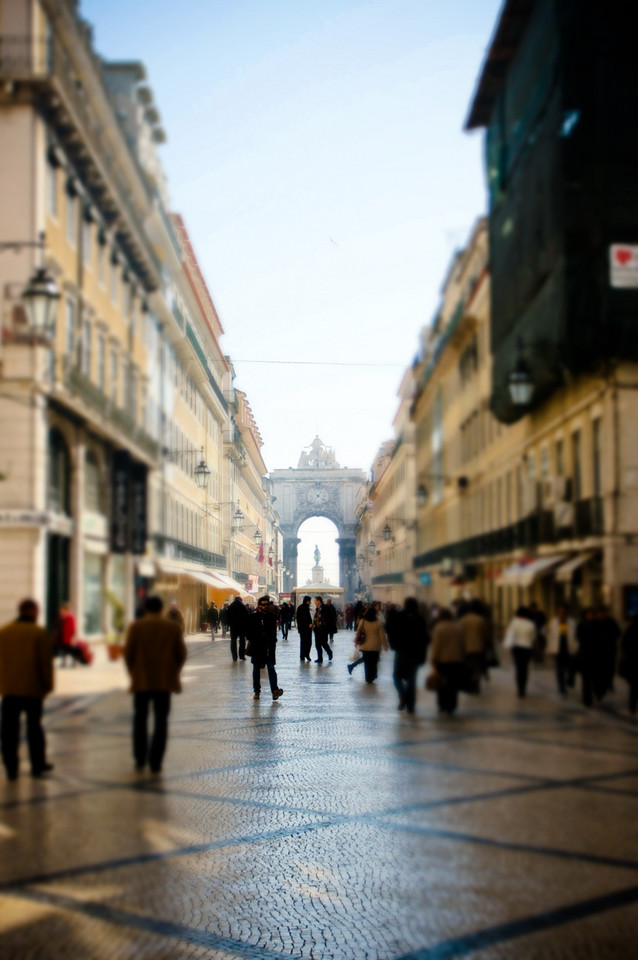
pixel 202 472
pixel 41 294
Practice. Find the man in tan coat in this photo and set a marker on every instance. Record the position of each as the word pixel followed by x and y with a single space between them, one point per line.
pixel 26 676
pixel 155 653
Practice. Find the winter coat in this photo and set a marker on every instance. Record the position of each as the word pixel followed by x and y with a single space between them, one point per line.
pixel 475 631
pixel 521 633
pixel 304 616
pixel 373 635
pixel 155 653
pixel 447 643
pixel 26 660
pixel 262 635
pixel 408 636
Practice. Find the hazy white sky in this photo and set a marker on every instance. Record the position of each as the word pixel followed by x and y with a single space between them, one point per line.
pixel 316 152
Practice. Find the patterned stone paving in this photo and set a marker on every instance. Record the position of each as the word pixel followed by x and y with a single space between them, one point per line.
pixel 325 825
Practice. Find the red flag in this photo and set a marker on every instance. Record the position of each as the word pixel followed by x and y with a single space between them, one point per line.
pixel 270 561
pixel 260 555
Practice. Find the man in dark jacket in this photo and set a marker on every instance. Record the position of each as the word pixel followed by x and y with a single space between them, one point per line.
pixel 330 613
pixel 154 653
pixel 262 634
pixel 26 676
pixel 237 621
pixel 321 631
pixel 304 626
pixel 212 618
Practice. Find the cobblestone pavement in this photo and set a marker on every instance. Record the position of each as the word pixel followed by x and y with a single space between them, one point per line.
pixel 324 825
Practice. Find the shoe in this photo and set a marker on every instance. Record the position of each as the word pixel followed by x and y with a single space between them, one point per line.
pixel 256 695
pixel 350 668
pixel 401 704
pixel 12 774
pixel 277 693
pixel 242 658
pixel 156 769
pixel 318 661
pixel 41 773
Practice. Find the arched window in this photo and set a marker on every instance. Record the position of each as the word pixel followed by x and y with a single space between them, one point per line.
pixel 59 485
pixel 92 483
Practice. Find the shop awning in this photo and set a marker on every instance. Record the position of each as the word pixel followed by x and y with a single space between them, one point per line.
pixel 175 568
pixel 524 574
pixel 224 582
pixel 565 571
pixel 146 568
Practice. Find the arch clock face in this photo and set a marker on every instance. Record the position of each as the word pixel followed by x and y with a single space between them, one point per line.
pixel 317 496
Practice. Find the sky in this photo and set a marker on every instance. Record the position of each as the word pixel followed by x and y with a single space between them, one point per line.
pixel 317 154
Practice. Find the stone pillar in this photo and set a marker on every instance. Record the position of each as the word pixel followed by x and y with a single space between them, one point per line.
pixel 347 564
pixel 76 559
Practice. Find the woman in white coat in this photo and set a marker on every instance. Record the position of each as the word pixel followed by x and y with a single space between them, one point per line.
pixel 520 639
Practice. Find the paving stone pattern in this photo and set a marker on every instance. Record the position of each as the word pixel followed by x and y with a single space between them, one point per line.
pixel 326 825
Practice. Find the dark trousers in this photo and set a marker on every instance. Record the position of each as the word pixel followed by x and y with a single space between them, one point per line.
pixel 370 664
pixel 321 643
pixel 305 642
pixel 235 635
pixel 522 657
pixel 161 707
pixel 272 676
pixel 565 671
pixel 404 677
pixel 448 694
pixel 12 707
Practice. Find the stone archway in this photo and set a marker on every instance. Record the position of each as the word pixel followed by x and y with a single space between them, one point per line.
pixel 319 487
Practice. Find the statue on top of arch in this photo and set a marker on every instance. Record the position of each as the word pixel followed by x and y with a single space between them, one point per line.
pixel 319 457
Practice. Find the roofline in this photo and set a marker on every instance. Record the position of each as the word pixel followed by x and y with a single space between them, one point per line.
pixel 510 27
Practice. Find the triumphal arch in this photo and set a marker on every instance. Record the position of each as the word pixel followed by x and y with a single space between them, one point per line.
pixel 318 487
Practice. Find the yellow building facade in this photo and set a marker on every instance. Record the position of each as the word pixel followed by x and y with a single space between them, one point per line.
pixel 543 510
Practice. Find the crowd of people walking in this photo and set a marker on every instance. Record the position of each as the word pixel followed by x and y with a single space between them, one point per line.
pixel 457 643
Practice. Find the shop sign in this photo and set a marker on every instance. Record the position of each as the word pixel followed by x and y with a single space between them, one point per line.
pixel 25 518
pixel 425 579
pixel 623 265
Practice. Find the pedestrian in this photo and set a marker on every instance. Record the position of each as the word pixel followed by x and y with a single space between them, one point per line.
pixel 320 626
pixel 629 663
pixel 262 634
pixel 330 613
pixel 223 619
pixel 349 616
pixel 26 676
pixel 475 631
pixel 447 655
pixel 304 626
pixel 540 621
pixel 154 653
pixel 285 616
pixel 520 639
pixel 409 639
pixel 238 624
pixel 609 634
pixel 563 646
pixel 372 642
pixel 212 618
pixel 174 614
pixel 64 633
pixel 590 657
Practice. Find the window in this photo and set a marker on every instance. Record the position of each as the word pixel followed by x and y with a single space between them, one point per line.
pixel 70 329
pixel 71 219
pixel 59 485
pixel 114 375
pixel 52 190
pixel 101 264
pixel 577 465
pixel 113 281
pixel 597 457
pixel 560 459
pixel 544 463
pixel 92 483
pixel 101 360
pixel 86 243
pixel 85 365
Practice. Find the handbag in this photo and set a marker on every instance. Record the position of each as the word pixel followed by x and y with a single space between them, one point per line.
pixel 434 680
pixel 248 649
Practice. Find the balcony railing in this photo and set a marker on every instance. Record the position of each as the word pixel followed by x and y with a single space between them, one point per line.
pixel 80 386
pixel 528 533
